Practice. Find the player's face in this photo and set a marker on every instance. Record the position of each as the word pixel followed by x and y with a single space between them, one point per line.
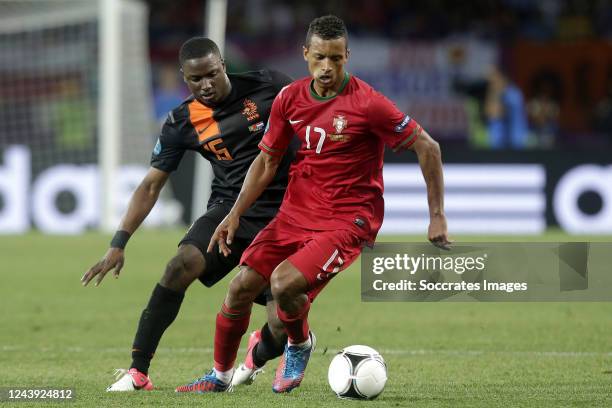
pixel 326 60
pixel 206 79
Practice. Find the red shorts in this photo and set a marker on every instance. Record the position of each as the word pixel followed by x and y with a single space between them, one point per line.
pixel 318 255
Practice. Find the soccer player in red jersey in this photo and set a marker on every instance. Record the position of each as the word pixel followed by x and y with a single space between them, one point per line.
pixel 333 205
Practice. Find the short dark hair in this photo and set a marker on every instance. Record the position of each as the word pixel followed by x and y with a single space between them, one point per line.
pixel 197 47
pixel 327 27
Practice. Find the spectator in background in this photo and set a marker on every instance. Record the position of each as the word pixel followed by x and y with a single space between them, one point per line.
pixel 543 112
pixel 72 116
pixel 169 93
pixel 505 112
pixel 603 111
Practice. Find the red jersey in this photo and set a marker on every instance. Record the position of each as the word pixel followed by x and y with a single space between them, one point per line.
pixel 336 179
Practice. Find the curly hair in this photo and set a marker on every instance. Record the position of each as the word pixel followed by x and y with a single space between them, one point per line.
pixel 327 27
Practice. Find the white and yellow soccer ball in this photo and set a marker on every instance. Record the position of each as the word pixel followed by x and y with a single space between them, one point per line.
pixel 357 372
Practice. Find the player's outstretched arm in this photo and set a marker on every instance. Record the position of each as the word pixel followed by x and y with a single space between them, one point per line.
pixel 430 160
pixel 260 174
pixel 142 201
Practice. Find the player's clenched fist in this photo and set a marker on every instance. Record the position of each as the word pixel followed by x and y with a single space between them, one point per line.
pixel 114 259
pixel 438 232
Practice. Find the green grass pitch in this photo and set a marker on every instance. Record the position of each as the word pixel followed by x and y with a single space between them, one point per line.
pixel 55 333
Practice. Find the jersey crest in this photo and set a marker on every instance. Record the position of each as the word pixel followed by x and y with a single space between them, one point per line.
pixel 340 123
pixel 250 110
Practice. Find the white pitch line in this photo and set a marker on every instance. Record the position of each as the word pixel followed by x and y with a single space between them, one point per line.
pixel 400 352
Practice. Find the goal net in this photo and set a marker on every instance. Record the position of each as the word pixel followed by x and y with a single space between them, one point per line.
pixel 52 127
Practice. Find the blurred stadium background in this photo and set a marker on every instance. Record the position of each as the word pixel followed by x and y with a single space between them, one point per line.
pixel 517 92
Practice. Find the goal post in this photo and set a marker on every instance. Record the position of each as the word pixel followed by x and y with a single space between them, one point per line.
pixel 214 26
pixel 109 109
pixel 76 112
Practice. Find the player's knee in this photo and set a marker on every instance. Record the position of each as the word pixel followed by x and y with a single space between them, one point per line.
pixel 185 267
pixel 173 273
pixel 242 291
pixel 286 283
pixel 278 287
pixel 283 291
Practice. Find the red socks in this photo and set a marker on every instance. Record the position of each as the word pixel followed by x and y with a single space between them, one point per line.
pixel 231 326
pixel 296 324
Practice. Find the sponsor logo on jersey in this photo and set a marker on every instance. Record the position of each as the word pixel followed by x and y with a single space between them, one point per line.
pixel 250 110
pixel 157 148
pixel 400 128
pixel 359 222
pixel 204 129
pixel 340 123
pixel 256 127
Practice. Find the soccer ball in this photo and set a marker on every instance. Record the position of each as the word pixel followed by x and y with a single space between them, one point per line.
pixel 357 372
